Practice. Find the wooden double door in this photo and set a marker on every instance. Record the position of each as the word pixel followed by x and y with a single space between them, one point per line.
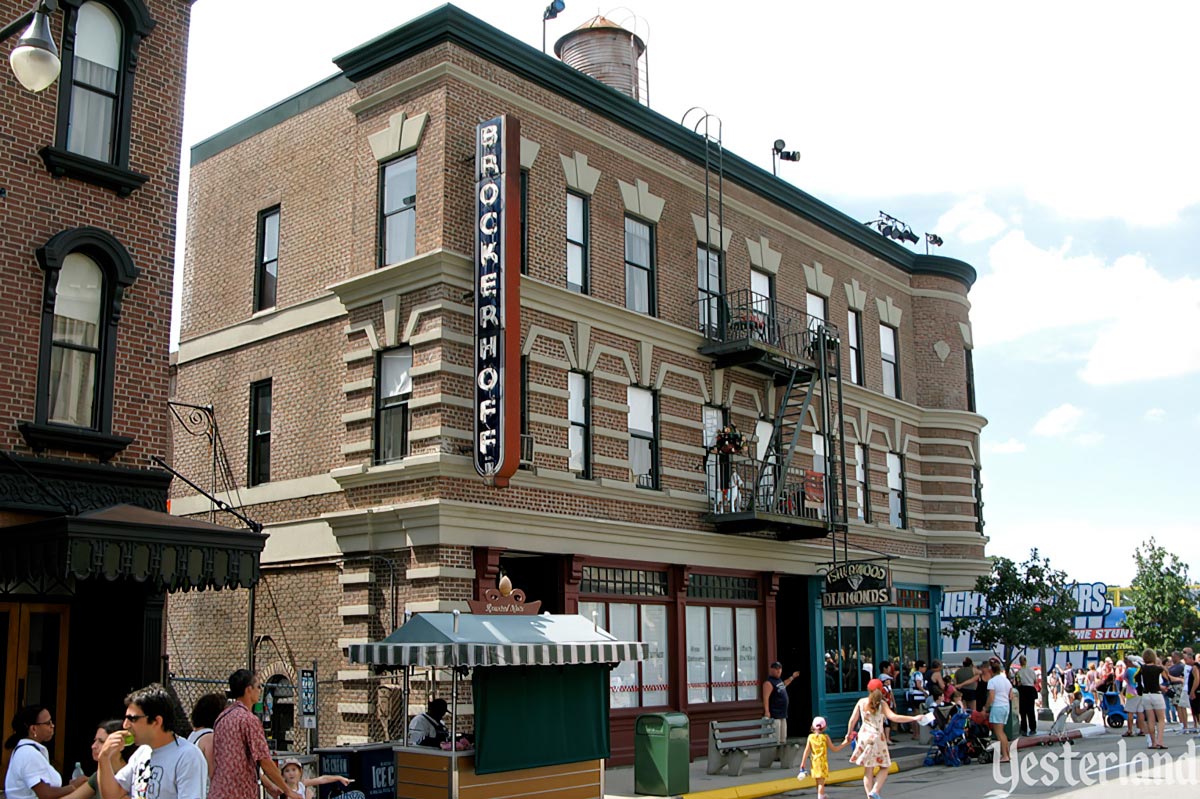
pixel 33 669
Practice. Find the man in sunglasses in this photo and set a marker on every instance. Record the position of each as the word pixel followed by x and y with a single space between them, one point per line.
pixel 164 766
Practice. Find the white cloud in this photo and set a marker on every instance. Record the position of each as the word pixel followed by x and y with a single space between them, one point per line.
pixel 971 221
pixel 1059 422
pixel 1080 305
pixel 1004 447
pixel 1155 415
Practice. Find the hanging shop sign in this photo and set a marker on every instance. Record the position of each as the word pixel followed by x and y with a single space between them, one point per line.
pixel 858 584
pixel 497 407
pixel 504 600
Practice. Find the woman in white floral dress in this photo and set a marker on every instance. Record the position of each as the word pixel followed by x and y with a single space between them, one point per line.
pixel 870 748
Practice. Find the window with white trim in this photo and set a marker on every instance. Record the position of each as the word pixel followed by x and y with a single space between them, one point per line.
pixel 722 653
pixel 579 417
pixel 398 210
pixel 643 436
pixel 895 481
pixel 577 242
pixel 888 353
pixel 392 404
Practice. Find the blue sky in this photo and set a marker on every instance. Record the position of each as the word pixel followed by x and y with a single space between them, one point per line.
pixel 1052 148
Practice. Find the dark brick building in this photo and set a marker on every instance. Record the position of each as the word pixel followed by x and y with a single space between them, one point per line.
pixel 88 195
pixel 330 318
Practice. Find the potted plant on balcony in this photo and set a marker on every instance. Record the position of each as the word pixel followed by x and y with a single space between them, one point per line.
pixel 729 441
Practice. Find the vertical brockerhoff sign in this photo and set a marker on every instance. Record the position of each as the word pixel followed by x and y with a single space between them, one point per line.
pixel 497 299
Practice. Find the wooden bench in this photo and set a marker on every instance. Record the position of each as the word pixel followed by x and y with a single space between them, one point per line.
pixel 730 742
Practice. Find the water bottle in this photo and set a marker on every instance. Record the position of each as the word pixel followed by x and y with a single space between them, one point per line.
pixel 78 772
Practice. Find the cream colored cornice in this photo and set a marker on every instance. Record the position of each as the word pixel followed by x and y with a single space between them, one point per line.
pixel 427 269
pixel 260 327
pixel 645 163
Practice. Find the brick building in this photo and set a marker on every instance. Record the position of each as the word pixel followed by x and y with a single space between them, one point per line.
pixel 669 290
pixel 88 192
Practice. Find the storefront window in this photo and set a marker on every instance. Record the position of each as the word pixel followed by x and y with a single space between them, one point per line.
pixel 908 639
pixel 722 653
pixel 849 650
pixel 633 684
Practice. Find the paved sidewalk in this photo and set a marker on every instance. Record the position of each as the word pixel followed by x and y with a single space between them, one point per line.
pixel 755 781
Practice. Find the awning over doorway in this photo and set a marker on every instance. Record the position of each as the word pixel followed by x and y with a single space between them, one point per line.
pixel 129 542
pixel 429 639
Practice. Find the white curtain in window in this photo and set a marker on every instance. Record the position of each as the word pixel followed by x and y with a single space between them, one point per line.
pixel 860 479
pixel 76 342
pixel 622 680
pixel 746 626
pixel 697 655
pixel 395 378
pixel 818 445
pixel 654 669
pixel 721 632
pixel 576 414
pixel 96 69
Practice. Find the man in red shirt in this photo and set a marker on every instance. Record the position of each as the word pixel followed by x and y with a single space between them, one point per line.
pixel 240 747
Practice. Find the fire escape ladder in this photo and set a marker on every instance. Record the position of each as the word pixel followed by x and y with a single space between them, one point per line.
pixel 827 349
pixel 773 468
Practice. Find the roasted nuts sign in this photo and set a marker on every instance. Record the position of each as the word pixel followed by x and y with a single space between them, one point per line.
pixel 856 585
pixel 497 404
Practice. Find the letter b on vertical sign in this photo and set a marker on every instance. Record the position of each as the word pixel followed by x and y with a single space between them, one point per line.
pixel 497 406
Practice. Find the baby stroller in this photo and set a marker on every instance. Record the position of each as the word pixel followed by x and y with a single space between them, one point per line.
pixel 948 744
pixel 1114 712
pixel 978 737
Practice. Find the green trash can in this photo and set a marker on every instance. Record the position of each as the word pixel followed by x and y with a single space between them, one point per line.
pixel 661 754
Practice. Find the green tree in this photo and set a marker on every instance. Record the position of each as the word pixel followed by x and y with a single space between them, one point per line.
pixel 1163 614
pixel 1024 605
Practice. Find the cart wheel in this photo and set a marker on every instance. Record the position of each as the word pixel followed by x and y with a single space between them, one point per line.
pixel 1115 721
pixel 985 756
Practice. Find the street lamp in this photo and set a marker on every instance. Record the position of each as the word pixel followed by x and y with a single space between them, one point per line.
pixel 35 58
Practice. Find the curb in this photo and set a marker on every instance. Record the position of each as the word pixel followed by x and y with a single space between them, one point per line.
pixel 757 790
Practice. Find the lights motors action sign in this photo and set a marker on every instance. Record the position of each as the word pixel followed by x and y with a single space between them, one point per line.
pixel 857 584
pixel 497 407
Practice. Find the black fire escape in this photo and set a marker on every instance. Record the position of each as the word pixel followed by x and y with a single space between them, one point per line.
pixel 764 488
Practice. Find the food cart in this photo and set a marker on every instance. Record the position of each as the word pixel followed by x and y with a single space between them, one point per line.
pixel 540 687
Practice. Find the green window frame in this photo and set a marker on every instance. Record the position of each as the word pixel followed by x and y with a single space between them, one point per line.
pixel 849 643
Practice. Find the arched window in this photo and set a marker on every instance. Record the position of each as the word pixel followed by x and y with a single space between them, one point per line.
pixel 95 98
pixel 94 82
pixel 87 272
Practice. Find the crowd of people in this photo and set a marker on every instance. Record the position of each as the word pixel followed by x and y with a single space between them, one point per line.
pixel 1152 692
pixel 153 752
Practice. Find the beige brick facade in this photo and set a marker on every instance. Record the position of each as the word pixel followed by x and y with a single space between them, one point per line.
pixel 329 505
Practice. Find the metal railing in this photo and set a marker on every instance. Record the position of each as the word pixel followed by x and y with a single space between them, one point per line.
pixel 730 485
pixel 744 315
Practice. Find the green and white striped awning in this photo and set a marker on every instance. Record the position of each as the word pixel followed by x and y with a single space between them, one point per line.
pixel 429 639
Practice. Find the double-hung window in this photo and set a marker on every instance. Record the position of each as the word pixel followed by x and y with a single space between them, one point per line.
pixel 895 481
pixel 95 89
pixel 398 210
pixel 391 408
pixel 815 305
pixel 643 436
pixel 524 221
pixel 710 287
pixel 862 482
pixel 260 433
pixel 890 359
pixel 87 275
pixel 579 415
pixel 577 242
pixel 639 266
pixel 95 99
pixel 75 343
pixel 854 339
pixel 266 267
